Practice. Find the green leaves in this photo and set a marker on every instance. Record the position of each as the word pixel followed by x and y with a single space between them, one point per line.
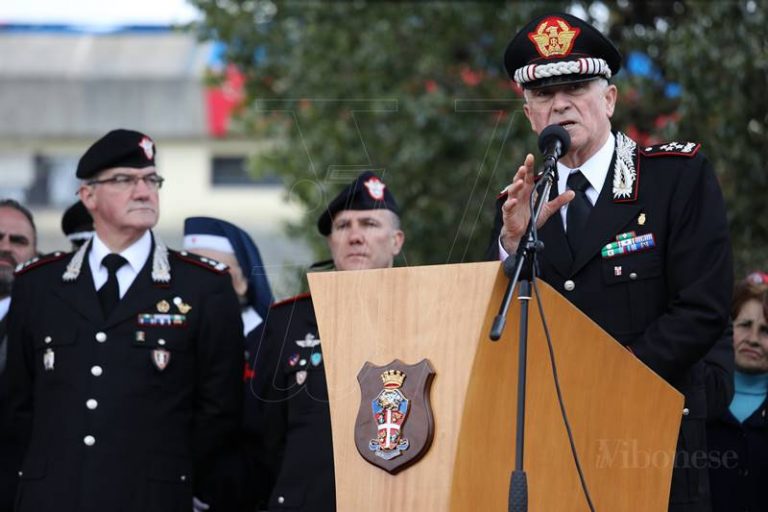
pixel 418 92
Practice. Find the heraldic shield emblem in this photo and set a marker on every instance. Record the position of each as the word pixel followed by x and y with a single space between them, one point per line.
pixel 394 426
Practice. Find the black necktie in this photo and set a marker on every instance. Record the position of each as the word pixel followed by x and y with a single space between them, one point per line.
pixel 578 210
pixel 109 294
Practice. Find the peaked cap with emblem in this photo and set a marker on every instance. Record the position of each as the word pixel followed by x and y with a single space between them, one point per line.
pixel 366 192
pixel 559 48
pixel 118 148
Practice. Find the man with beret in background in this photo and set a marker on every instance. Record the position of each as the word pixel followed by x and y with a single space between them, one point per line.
pixel 77 225
pixel 362 228
pixel 635 237
pixel 125 357
pixel 18 243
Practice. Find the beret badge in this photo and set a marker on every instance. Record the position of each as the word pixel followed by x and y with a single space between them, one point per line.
pixel 375 188
pixel 148 146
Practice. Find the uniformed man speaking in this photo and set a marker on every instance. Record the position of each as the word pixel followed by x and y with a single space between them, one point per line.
pixel 125 357
pixel 634 236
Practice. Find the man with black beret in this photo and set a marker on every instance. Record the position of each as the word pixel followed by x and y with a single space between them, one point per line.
pixel 362 228
pixel 125 357
pixel 634 236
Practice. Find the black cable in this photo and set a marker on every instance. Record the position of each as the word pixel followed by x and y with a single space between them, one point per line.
pixel 560 399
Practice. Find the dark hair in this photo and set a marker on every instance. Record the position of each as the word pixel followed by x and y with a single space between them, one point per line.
pixel 746 290
pixel 12 203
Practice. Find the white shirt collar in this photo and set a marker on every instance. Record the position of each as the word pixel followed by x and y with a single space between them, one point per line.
pixel 595 169
pixel 5 303
pixel 136 253
pixel 251 320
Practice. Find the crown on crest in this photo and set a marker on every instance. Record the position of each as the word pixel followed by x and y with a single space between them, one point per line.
pixel 393 379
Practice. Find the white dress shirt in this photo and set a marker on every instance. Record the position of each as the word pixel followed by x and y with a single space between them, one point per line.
pixel 251 320
pixel 136 254
pixel 595 170
pixel 5 304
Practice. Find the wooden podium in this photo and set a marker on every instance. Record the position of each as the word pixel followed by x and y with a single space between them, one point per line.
pixel 624 418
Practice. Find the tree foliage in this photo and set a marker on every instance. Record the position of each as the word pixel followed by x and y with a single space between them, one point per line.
pixel 417 91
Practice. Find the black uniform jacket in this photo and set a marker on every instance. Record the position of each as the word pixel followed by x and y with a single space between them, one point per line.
pixel 124 413
pixel 668 303
pixel 297 443
pixel 10 452
pixel 738 461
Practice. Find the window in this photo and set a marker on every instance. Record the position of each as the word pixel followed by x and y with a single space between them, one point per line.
pixel 233 171
pixel 39 180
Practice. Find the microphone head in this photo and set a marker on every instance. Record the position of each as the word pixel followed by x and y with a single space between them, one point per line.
pixel 552 133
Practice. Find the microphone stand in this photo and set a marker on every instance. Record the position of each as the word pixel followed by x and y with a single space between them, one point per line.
pixel 521 269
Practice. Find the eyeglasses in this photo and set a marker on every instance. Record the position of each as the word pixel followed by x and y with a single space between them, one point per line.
pixel 125 181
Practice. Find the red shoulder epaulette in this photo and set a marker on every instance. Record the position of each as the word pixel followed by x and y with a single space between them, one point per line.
pixel 39 261
pixel 687 149
pixel 201 261
pixel 295 298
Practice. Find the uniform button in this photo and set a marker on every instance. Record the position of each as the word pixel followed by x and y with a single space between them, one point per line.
pixel 101 337
pixel 569 285
pixel 21 473
pixel 91 403
pixel 183 478
pixel 161 341
pixel 89 440
pixel 686 412
pixel 96 371
pixel 633 275
pixel 281 500
pixel 48 339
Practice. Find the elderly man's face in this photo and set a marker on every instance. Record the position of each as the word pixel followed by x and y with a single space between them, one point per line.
pixel 584 109
pixel 122 207
pixel 364 239
pixel 17 244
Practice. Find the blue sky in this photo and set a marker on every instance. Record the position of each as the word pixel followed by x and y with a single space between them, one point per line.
pixel 96 12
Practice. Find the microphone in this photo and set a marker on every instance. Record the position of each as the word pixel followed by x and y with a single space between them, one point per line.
pixel 554 143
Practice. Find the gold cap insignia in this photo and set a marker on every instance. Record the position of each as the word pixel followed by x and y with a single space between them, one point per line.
pixel 554 37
